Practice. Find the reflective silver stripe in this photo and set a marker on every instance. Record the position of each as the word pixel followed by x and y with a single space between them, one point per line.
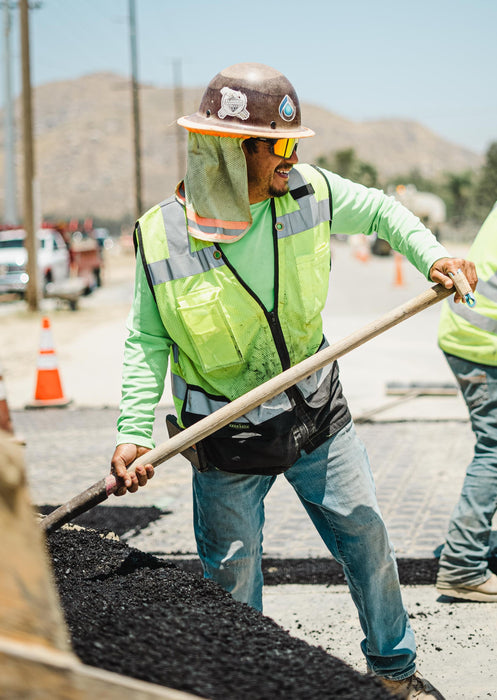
pixel 488 288
pixel 182 261
pixel 173 216
pixel 200 404
pixel 179 267
pixel 311 212
pixel 473 317
pixel 178 385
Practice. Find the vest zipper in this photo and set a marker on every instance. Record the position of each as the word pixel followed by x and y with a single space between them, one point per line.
pixel 278 337
pixel 301 427
pixel 271 316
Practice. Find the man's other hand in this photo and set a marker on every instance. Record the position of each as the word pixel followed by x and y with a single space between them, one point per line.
pixel 439 273
pixel 130 481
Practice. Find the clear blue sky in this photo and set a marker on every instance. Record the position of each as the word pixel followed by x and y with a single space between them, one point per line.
pixel 433 61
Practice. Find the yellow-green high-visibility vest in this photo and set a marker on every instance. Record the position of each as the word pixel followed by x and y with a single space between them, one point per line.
pixel 224 341
pixel 471 333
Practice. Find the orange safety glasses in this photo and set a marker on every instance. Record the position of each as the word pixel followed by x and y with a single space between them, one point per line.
pixel 283 148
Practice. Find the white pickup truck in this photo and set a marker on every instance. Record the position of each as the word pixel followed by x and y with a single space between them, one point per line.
pixel 52 258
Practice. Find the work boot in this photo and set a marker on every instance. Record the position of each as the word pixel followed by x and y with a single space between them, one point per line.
pixel 415 687
pixel 485 592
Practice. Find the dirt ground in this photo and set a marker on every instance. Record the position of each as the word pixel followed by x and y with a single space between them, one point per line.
pixel 21 328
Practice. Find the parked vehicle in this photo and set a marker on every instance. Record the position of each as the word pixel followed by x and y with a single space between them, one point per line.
pixel 53 260
pixel 87 259
pixel 104 238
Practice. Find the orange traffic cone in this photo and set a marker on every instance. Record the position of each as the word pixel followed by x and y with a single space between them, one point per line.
pixel 48 390
pixel 5 421
pixel 362 254
pixel 399 273
pixel 360 247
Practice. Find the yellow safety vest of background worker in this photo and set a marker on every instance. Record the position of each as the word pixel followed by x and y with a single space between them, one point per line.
pixel 467 332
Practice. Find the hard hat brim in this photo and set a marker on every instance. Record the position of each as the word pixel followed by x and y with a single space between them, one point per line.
pixel 198 123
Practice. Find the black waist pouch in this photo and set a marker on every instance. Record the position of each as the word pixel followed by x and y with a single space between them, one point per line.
pixel 244 448
pixel 273 446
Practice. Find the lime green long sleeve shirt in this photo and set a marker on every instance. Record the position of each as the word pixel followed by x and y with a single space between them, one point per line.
pixel 356 209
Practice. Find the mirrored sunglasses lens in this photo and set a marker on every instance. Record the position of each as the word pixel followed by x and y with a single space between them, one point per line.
pixel 284 147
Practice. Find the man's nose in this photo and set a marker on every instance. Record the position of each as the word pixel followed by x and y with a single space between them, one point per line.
pixel 294 157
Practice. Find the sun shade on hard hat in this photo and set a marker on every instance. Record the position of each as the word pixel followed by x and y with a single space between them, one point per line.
pixel 216 189
pixel 248 99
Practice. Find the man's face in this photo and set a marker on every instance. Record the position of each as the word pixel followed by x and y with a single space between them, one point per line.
pixel 267 174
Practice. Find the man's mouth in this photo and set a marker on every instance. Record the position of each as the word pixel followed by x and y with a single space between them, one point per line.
pixel 283 172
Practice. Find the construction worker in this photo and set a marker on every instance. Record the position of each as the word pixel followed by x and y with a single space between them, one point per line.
pixel 231 279
pixel 468 338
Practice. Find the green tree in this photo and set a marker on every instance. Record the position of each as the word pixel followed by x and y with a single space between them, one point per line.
pixel 347 164
pixel 459 189
pixel 485 193
pixel 468 195
pixel 414 177
pixel 456 190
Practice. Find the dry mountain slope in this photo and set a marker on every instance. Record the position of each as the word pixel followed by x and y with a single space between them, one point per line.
pixel 84 145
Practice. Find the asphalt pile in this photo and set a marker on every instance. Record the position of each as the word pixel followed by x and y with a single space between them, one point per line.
pixel 137 615
pixel 127 521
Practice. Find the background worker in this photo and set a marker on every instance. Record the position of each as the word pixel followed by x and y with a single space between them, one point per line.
pixel 231 279
pixel 468 338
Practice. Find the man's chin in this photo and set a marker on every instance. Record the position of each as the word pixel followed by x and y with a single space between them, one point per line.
pixel 279 192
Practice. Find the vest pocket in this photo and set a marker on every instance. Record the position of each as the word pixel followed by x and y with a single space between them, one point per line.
pixel 313 273
pixel 208 327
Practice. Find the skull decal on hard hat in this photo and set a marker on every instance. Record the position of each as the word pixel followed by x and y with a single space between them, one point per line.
pixel 233 104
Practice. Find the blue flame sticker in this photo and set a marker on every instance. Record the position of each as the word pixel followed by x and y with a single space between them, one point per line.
pixel 287 109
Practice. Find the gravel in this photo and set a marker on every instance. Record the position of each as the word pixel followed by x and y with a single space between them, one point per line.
pixel 132 613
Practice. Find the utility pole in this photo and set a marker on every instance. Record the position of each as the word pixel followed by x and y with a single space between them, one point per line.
pixel 29 169
pixel 136 109
pixel 179 111
pixel 10 211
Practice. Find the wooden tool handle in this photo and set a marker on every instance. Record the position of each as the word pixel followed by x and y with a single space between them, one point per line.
pixel 245 403
pixel 463 287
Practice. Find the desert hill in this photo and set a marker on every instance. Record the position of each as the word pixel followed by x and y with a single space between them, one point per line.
pixel 84 145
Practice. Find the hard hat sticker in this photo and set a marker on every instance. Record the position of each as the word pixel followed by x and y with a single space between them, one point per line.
pixel 287 109
pixel 233 104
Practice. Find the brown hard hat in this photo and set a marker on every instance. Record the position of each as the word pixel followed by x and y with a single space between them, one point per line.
pixel 248 99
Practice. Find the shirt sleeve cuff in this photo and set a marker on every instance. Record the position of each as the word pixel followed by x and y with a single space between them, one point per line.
pixel 134 440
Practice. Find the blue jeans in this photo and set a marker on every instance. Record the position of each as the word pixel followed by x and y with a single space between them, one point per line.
pixel 464 556
pixel 336 487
